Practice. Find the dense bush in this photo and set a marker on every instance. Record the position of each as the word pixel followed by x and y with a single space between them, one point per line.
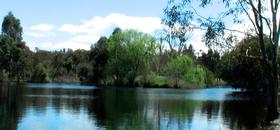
pixel 241 67
pixel 40 74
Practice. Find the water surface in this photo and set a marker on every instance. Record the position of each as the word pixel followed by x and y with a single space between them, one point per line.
pixel 76 107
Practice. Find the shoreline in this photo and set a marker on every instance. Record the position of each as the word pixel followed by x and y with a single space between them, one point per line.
pixel 122 86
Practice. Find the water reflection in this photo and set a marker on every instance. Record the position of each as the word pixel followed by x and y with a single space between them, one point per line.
pixel 31 106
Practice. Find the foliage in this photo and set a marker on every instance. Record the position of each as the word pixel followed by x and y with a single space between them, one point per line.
pixel 242 66
pixel 126 58
pixel 11 27
pixel 178 67
pixel 99 58
pixel 178 26
pixel 196 75
pixel 210 60
pixel 216 31
pixel 14 53
pixel 184 73
pixel 129 55
pixel 40 74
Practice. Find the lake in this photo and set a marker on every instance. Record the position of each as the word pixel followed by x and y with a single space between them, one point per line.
pixel 77 107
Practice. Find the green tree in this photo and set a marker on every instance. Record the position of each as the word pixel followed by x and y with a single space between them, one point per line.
pixel 5 52
pixel 15 53
pixel 215 30
pixel 81 65
pixel 130 53
pixel 99 58
pixel 242 66
pixel 58 64
pixel 140 49
pixel 22 62
pixel 11 27
pixel 176 68
pixel 210 60
pixel 115 48
pixel 40 74
pixel 197 76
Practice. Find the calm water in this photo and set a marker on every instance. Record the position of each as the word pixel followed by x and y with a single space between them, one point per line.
pixel 75 107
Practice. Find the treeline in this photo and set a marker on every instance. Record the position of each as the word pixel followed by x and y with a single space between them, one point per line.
pixel 130 58
pixel 125 58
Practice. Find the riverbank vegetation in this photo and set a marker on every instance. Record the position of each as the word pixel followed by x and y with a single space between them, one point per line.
pixel 263 18
pixel 129 58
pixel 125 58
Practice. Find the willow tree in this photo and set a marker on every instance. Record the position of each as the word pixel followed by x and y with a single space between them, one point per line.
pixel 264 18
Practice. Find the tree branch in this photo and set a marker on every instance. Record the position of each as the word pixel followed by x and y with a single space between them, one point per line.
pixel 277 5
pixel 247 13
pixel 255 14
pixel 274 24
pixel 199 14
pixel 278 33
pixel 226 29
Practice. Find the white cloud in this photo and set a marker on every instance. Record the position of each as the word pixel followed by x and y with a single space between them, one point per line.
pixel 196 41
pixel 43 27
pixel 83 34
pixel 145 24
pixel 35 34
pixel 98 24
pixel 46 45
pixel 41 31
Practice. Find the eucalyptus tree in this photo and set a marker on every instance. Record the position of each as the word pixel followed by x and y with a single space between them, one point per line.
pixel 15 53
pixel 264 18
pixel 177 29
pixel 11 27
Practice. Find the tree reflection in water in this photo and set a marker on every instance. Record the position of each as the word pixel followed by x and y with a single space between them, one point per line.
pixel 123 108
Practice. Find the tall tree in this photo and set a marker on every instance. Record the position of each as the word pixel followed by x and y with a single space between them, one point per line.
pixel 15 52
pixel 130 53
pixel 115 47
pixel 11 27
pixel 99 58
pixel 261 13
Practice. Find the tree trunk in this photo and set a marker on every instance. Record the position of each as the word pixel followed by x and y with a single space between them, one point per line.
pixel 272 111
pixel 272 103
pixel 271 69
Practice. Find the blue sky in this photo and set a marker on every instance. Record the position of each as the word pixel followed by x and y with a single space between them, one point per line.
pixel 76 24
pixel 62 11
